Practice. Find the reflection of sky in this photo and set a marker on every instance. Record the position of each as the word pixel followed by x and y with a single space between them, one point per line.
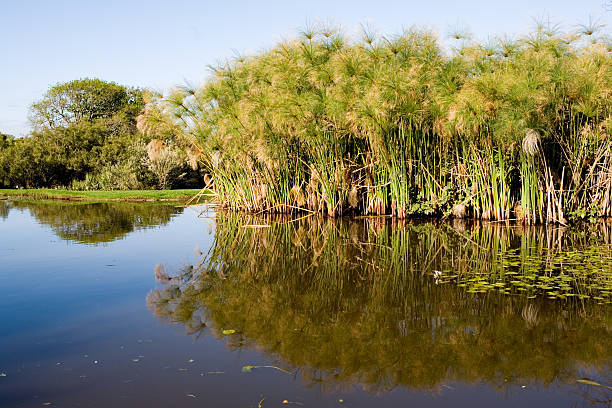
pixel 45 278
pixel 73 319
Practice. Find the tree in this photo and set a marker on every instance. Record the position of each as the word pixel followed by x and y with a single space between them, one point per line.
pixel 84 100
pixel 80 127
pixel 19 165
pixel 6 140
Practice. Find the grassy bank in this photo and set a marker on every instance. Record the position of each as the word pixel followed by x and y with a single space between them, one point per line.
pixel 111 195
pixel 505 129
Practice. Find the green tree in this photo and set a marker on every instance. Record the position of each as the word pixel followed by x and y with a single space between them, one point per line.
pixel 80 127
pixel 84 100
pixel 19 164
pixel 6 140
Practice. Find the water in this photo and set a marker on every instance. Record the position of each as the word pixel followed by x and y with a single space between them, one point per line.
pixel 151 305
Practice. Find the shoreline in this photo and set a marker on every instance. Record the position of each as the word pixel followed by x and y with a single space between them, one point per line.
pixel 102 195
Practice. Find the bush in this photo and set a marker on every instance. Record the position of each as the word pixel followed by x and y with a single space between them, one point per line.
pixel 164 162
pixel 120 176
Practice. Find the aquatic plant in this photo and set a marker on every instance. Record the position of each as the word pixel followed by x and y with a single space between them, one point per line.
pixel 391 125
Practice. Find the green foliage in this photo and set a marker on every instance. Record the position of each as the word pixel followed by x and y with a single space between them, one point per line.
pixel 21 164
pixel 6 140
pixel 86 100
pixel 84 129
pixel 87 136
pixel 126 174
pixel 384 125
pixel 165 165
pixel 121 176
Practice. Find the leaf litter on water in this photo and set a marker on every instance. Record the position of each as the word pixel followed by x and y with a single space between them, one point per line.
pixel 591 382
pixel 250 368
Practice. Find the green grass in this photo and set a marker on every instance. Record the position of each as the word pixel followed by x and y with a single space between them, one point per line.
pixel 112 195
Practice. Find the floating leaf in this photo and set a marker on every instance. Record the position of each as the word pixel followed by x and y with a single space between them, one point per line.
pixel 591 382
pixel 249 368
pixel 228 332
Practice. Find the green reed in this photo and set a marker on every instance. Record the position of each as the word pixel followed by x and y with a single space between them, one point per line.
pixel 392 126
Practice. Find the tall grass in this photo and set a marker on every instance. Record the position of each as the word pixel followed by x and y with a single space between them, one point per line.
pixel 393 126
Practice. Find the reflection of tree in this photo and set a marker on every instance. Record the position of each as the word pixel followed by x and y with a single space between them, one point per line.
pixel 355 302
pixel 4 209
pixel 98 222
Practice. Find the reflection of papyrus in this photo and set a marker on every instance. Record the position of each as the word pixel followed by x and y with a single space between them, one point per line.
pixel 349 302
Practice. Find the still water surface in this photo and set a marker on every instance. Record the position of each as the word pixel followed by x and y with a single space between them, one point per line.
pixel 130 305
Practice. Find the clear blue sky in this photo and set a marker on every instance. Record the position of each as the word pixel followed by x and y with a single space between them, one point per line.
pixel 161 43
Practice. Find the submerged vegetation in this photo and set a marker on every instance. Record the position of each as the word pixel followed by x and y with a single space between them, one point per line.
pixel 513 128
pixel 360 302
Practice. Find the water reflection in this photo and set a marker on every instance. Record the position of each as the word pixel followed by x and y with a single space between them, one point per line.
pixel 91 223
pixel 369 302
pixel 4 209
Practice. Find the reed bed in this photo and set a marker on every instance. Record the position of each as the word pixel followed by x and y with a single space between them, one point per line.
pixel 510 129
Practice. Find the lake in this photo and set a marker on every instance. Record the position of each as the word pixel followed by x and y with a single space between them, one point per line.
pixel 130 304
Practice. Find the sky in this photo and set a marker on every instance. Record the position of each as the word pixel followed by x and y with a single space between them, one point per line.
pixel 158 44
